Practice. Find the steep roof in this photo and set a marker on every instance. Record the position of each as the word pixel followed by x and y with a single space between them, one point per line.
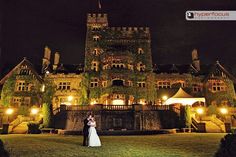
pixel 23 62
pixel 69 68
pixel 174 68
pixel 215 69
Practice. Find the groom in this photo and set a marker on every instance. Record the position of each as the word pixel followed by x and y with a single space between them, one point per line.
pixel 86 130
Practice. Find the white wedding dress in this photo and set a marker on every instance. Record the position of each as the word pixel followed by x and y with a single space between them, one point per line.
pixel 93 139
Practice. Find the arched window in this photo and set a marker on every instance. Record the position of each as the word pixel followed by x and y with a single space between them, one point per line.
pixel 118 82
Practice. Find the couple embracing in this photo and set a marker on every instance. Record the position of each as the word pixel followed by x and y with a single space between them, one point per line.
pixel 91 138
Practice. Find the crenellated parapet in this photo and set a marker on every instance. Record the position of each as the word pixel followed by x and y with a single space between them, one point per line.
pixel 97 20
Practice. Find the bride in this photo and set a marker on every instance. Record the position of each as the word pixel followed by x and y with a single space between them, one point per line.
pixel 93 139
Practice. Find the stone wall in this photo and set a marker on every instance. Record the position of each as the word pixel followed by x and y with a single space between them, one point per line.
pixel 138 118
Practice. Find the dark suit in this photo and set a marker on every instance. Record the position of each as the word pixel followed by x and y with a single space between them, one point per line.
pixel 85 132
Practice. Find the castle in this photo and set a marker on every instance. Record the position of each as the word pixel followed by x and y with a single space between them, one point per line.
pixel 118 70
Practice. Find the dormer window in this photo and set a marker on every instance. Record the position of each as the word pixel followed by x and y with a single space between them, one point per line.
pixel 140 51
pixel 96 38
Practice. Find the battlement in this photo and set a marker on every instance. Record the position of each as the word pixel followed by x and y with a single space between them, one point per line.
pixel 131 29
pixel 97 20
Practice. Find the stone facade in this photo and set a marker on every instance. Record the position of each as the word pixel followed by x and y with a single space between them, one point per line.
pixel 118 70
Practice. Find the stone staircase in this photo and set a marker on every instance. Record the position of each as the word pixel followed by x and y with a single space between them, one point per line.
pixel 22 128
pixel 209 124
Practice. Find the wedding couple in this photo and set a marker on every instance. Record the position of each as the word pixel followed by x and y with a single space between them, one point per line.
pixel 91 138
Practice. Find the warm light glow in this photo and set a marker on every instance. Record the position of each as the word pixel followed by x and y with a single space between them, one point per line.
pixel 9 111
pixel 118 102
pixel 223 110
pixel 70 98
pixel 93 102
pixel 47 72
pixel 164 97
pixel 142 101
pixel 43 88
pixel 200 110
pixel 34 111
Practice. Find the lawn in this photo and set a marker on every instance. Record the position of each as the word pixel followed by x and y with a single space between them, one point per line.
pixel 168 145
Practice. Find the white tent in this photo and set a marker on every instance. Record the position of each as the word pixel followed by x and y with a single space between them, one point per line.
pixel 181 97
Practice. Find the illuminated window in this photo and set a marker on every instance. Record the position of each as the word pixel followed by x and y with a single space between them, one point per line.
pixel 118 65
pixel 94 83
pixel 96 38
pixel 141 84
pixel 22 86
pixel 94 66
pixel 16 101
pixel 64 86
pixel 130 67
pixel 218 86
pixel 197 88
pixel 104 83
pixel 24 70
pixel 141 66
pixel 163 84
pixel 105 67
pixel 140 51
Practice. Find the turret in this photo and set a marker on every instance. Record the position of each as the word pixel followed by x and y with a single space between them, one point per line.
pixel 195 60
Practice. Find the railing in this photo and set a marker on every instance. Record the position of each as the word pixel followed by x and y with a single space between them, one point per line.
pixel 219 123
pixel 195 124
pixel 159 107
pixel 18 121
pixel 117 107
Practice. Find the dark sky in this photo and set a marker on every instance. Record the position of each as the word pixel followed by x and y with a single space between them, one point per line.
pixel 29 25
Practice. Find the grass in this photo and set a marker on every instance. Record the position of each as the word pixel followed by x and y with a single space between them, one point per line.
pixel 169 145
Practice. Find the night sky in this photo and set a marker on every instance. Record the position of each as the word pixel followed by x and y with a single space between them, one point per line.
pixel 29 25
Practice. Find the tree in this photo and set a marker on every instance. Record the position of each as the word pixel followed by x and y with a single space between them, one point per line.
pixel 185 116
pixel 47 115
pixel 8 90
pixel 47 110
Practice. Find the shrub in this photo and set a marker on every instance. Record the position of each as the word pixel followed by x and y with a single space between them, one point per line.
pixel 185 116
pixel 33 128
pixel 3 152
pixel 47 115
pixel 227 146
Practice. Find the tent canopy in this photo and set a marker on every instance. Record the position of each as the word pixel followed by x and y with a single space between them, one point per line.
pixel 181 97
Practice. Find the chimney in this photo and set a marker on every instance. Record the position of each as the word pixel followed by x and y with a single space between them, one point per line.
pixel 46 58
pixel 195 59
pixel 56 60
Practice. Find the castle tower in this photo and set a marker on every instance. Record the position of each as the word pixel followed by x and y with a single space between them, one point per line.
pixel 118 61
pixel 195 60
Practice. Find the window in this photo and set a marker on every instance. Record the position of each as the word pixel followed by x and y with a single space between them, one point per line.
pixel 22 86
pixel 64 86
pixel 94 66
pixel 130 83
pixel 24 70
pixel 218 86
pixel 141 84
pixel 95 38
pixel 118 65
pixel 94 83
pixel 105 67
pixel 16 101
pixel 140 51
pixel 141 66
pixel 130 67
pixel 197 88
pixel 117 82
pixel 163 84
pixel 104 83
